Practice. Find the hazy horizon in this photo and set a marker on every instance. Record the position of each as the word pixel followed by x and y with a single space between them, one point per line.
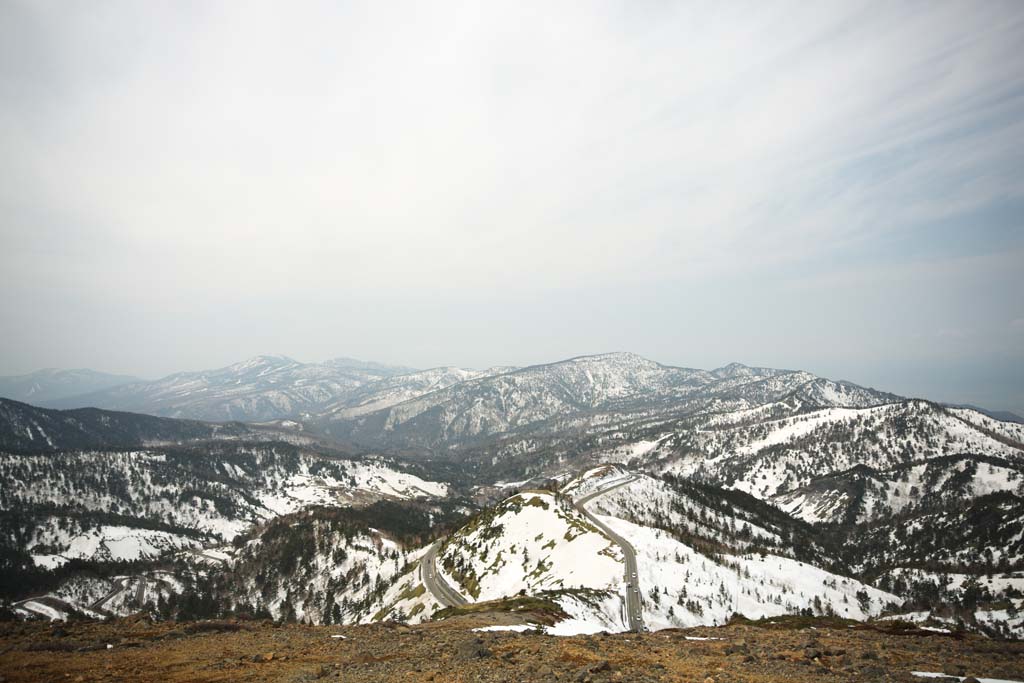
pixel 882 387
pixel 832 187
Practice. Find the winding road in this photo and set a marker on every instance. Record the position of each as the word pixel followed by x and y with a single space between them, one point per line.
pixel 119 585
pixel 447 596
pixel 634 605
pixel 435 583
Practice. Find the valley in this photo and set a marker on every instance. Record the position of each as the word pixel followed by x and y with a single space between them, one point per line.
pixel 503 342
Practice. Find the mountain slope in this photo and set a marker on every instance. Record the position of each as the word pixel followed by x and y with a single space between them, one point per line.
pixel 768 451
pixel 582 394
pixel 259 389
pixel 979 536
pixel 533 541
pixel 400 388
pixel 705 553
pixel 53 384
pixel 861 493
pixel 329 565
pixel 130 505
pixel 25 428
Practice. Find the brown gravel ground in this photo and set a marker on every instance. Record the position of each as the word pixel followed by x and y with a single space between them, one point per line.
pixel 137 650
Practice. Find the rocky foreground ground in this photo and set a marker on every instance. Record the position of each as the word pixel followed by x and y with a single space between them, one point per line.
pixel 788 650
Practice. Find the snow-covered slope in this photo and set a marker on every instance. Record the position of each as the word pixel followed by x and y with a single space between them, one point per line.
pixel 683 587
pixel 862 493
pixel 533 541
pixel 991 603
pixel 704 517
pixel 126 505
pixel 980 536
pixel 317 567
pixel 768 457
pixel 701 558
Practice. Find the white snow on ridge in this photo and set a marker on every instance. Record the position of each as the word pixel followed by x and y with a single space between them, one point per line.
pixel 790 428
pixel 302 490
pixel 540 544
pixel 117 543
pixel 995 583
pixel 377 477
pixel 36 608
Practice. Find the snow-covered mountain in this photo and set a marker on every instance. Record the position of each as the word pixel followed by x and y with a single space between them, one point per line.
pixel 53 384
pixel 586 393
pixel 445 409
pixel 745 489
pixel 698 560
pixel 258 389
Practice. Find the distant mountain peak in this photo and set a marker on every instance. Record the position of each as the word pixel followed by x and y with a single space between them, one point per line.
pixel 736 370
pixel 614 357
pixel 264 360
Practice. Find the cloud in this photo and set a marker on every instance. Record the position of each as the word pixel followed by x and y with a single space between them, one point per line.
pixel 585 141
pixel 354 156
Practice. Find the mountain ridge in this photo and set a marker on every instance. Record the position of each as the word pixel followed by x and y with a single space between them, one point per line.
pixel 50 384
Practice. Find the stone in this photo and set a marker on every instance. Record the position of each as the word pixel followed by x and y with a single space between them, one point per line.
pixel 472 649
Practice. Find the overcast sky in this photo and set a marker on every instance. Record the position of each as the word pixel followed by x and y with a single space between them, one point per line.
pixel 831 186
